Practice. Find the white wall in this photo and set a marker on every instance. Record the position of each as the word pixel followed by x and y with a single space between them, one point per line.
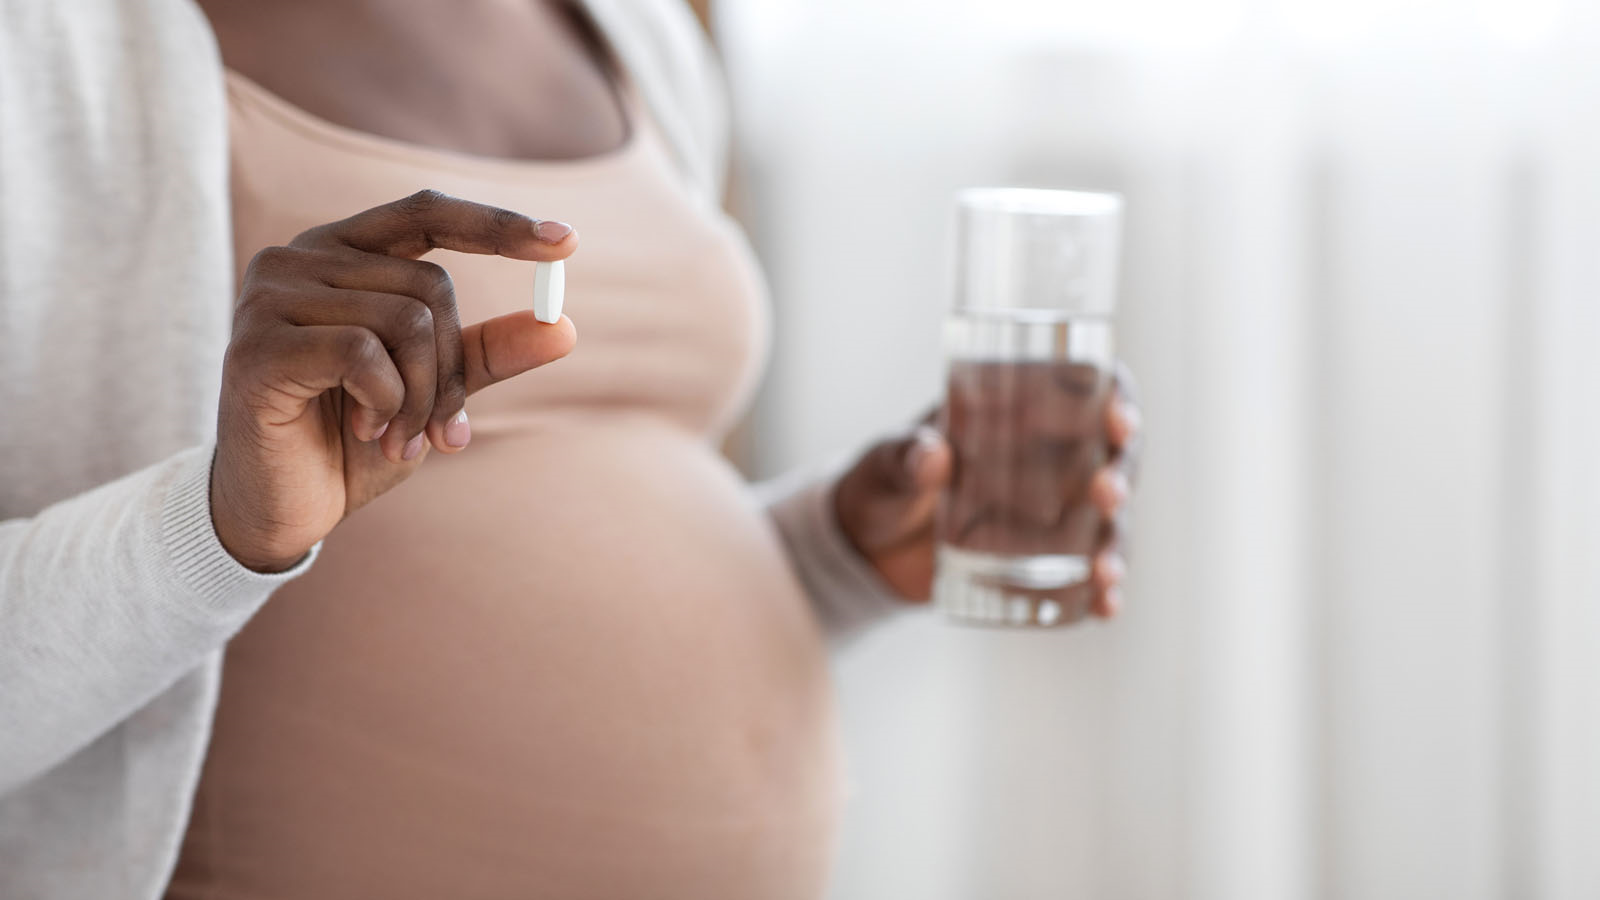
pixel 1361 657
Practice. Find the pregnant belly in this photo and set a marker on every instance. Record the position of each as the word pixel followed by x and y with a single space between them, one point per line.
pixel 566 663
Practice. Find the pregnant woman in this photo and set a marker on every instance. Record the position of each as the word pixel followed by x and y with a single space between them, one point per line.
pixel 575 659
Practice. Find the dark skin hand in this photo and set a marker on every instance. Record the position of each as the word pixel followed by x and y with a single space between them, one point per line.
pixel 886 506
pixel 348 362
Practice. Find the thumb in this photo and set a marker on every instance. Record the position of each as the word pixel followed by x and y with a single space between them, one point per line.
pixel 499 348
pixel 889 497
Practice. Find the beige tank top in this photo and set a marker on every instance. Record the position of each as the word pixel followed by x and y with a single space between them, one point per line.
pixel 571 661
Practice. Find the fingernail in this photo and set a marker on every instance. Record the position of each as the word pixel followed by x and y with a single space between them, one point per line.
pixel 1112 568
pixel 924 442
pixel 1113 603
pixel 1125 422
pixel 457 432
pixel 379 433
pixel 1120 487
pixel 413 447
pixel 1109 490
pixel 1132 417
pixel 551 231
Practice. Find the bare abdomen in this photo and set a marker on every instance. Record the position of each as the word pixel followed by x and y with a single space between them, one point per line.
pixel 570 662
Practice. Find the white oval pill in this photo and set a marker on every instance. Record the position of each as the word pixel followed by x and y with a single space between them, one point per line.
pixel 549 289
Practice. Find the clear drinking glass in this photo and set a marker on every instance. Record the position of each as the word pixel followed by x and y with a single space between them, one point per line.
pixel 1030 355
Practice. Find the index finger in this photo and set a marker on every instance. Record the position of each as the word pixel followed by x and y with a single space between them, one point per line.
pixel 429 220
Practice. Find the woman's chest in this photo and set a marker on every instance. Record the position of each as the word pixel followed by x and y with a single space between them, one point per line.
pixel 511 79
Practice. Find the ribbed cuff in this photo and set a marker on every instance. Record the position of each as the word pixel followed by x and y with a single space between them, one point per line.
pixel 199 561
pixel 847 592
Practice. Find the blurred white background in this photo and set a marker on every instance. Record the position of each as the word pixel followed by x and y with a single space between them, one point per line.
pixel 1361 651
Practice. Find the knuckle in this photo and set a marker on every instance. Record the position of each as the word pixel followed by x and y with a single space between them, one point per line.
pixel 256 309
pixel 247 315
pixel 359 347
pixel 505 219
pixel 415 407
pixel 423 201
pixel 415 321
pixel 434 283
pixel 270 261
pixel 243 354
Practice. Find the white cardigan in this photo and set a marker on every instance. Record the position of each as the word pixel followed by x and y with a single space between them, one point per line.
pixel 115 297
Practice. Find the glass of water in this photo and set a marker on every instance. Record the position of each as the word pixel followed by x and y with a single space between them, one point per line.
pixel 1030 356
